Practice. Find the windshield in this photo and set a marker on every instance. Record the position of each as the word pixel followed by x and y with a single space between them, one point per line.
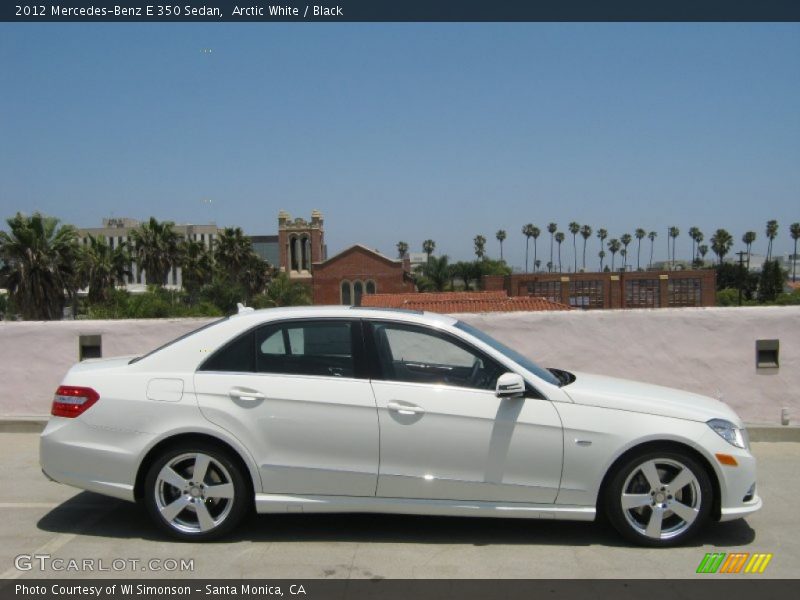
pixel 525 363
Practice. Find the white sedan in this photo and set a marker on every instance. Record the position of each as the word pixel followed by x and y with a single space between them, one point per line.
pixel 337 409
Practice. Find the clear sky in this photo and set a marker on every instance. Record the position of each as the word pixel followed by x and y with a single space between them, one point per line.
pixel 407 131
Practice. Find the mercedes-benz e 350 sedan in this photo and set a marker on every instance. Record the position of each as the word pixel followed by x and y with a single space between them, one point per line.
pixel 336 409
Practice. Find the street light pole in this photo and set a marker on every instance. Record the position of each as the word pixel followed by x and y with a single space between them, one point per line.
pixel 740 254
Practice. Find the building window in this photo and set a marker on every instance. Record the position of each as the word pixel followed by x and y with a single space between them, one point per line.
pixel 347 293
pixel 358 291
pixel 586 294
pixel 545 289
pixel 684 292
pixel 370 287
pixel 642 293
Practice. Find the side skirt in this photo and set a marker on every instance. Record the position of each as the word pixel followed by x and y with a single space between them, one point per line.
pixel 281 503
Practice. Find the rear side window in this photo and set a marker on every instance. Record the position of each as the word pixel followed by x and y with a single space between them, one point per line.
pixel 322 348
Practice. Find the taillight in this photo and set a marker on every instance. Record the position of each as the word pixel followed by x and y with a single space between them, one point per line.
pixel 72 401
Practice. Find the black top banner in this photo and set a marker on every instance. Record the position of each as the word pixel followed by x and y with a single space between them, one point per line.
pixel 401 10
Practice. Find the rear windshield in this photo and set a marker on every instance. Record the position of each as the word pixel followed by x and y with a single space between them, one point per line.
pixel 178 339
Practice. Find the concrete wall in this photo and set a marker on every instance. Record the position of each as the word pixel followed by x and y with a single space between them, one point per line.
pixel 706 350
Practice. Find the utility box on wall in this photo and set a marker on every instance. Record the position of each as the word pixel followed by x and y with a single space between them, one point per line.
pixel 767 354
pixel 90 346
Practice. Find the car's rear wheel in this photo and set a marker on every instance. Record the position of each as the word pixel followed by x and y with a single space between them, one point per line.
pixel 196 492
pixel 659 498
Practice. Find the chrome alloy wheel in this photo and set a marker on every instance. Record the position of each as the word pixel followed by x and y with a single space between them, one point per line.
pixel 194 492
pixel 661 498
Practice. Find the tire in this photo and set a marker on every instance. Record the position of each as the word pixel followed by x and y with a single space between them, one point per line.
pixel 191 509
pixel 659 498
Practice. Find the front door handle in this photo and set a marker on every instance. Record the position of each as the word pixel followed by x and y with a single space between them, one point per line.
pixel 405 409
pixel 245 394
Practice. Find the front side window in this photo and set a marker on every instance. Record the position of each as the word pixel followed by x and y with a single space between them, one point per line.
pixel 306 348
pixel 415 354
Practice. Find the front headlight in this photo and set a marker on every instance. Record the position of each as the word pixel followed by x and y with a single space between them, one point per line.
pixel 729 432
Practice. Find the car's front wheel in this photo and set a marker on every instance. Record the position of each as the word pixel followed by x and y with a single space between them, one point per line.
pixel 196 492
pixel 659 498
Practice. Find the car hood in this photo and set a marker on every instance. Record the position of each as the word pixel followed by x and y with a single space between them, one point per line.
pixel 633 396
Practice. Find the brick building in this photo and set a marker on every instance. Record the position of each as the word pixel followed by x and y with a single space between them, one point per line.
pixel 638 289
pixel 357 271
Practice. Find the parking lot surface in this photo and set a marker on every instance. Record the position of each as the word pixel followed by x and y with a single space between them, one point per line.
pixel 42 518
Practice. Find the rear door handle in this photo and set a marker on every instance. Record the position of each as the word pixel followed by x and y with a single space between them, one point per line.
pixel 405 409
pixel 245 394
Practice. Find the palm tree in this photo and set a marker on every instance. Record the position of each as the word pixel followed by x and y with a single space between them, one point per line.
pixel 465 271
pixel 282 291
pixel 197 266
pixel 748 238
pixel 232 252
pixel 537 263
pixel 794 229
pixel 613 247
pixel 574 228
pixel 702 249
pixel 436 273
pixel 652 237
pixel 254 275
pixel 428 246
pixel 721 243
pixel 528 231
pixel 772 233
pixel 626 239
pixel 639 234
pixel 480 246
pixel 698 240
pixel 693 231
pixel 155 247
pixel 101 267
pixel 674 232
pixel 551 229
pixel 501 236
pixel 559 239
pixel 602 234
pixel 586 233
pixel 602 255
pixel 39 265
pixel 402 249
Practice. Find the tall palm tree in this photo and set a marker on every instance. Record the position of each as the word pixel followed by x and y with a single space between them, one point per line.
pixel 772 233
pixel 674 232
pixel 480 246
pixel 702 249
pixel 428 246
pixel 693 231
pixel 501 236
pixel 586 233
pixel 721 243
pixel 794 229
pixel 155 248
pixel 626 239
pixel 602 234
pixel 101 267
pixel 402 249
pixel 559 239
pixel 39 265
pixel 699 237
pixel 602 255
pixel 233 251
pixel 197 266
pixel 436 273
pixel 748 238
pixel 613 247
pixel 652 237
pixel 639 234
pixel 528 231
pixel 574 228
pixel 551 229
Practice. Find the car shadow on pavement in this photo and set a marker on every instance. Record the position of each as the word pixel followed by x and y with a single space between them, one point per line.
pixel 90 514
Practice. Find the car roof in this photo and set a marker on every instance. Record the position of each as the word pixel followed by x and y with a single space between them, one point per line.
pixel 296 312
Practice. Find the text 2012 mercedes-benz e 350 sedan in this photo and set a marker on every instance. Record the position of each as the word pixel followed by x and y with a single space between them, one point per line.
pixel 336 409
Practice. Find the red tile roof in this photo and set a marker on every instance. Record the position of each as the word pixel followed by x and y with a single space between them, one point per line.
pixel 461 302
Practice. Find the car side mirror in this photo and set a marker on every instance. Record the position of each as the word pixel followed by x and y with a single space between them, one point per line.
pixel 510 385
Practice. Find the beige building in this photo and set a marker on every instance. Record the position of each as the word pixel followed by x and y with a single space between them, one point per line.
pixel 117 231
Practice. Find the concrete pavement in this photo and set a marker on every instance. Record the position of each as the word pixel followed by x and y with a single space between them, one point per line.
pixel 44 518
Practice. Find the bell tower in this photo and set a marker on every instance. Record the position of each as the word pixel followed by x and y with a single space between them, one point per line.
pixel 302 243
